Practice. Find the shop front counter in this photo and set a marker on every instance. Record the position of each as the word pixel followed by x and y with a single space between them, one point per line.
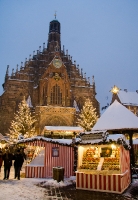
pixel 101 172
pixel 115 183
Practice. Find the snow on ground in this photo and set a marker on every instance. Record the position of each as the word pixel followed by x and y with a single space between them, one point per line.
pixel 55 184
pixel 26 188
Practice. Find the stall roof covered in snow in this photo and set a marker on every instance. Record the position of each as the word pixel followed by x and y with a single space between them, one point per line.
pixel 117 117
pixel 70 142
pixel 63 128
pixel 59 141
pixel 128 98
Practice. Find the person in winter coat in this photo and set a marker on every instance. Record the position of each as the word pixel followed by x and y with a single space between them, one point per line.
pixel 7 158
pixel 18 157
pixel 24 156
pixel 1 160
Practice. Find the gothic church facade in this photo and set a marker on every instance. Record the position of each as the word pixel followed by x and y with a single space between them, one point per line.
pixel 52 81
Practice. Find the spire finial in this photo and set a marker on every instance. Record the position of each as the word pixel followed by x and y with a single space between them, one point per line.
pixel 55 14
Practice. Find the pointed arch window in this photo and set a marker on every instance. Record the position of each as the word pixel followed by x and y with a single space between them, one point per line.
pixel 56 95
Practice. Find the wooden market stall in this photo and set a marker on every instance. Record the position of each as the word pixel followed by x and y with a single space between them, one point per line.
pixel 103 167
pixel 53 153
pixel 112 173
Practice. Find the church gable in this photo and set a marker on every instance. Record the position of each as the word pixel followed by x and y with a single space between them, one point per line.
pixel 55 85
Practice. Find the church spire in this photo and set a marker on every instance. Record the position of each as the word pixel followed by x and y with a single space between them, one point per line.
pixel 55 14
pixel 54 35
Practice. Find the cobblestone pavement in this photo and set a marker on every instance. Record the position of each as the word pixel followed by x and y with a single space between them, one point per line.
pixel 71 193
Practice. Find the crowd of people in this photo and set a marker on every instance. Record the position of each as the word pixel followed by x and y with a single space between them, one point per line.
pixel 8 155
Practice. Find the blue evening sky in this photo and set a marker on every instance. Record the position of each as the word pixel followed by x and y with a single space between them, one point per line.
pixel 101 35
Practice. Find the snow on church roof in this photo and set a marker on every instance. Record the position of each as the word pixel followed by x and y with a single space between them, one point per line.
pixel 76 106
pixel 116 117
pixel 29 102
pixel 128 98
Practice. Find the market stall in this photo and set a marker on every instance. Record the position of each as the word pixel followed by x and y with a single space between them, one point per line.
pixel 44 154
pixel 103 167
pixel 109 169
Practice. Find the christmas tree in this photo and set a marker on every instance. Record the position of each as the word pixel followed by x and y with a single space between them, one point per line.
pixel 88 116
pixel 23 123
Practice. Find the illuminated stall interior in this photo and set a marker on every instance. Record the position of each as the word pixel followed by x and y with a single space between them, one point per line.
pixel 34 154
pixel 103 166
pixel 101 158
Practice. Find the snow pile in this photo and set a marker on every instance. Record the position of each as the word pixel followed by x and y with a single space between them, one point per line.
pixel 54 183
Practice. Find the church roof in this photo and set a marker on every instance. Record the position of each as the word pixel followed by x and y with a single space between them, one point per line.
pixel 117 117
pixel 128 98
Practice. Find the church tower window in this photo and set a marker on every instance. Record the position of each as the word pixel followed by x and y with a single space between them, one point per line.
pixel 56 95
